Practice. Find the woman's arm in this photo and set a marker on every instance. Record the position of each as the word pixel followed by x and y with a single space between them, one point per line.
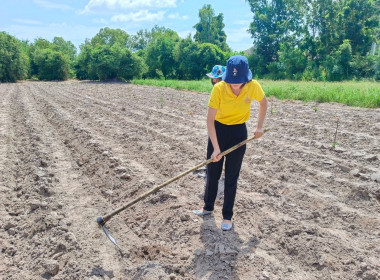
pixel 212 133
pixel 261 117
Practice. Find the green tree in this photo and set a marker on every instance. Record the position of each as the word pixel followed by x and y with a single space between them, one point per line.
pixel 108 56
pixel 328 23
pixel 209 29
pixel 159 55
pixel 186 57
pixel 363 66
pixel 52 60
pixel 108 36
pixel 141 39
pixel 344 56
pixel 131 65
pixel 273 23
pixel 292 60
pixel 115 62
pixel 83 61
pixel 105 60
pixel 208 56
pixel 359 24
pixel 14 62
pixel 51 64
pixel 64 47
pixel 33 48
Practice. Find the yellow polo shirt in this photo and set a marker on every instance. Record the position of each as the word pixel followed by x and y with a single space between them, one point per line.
pixel 234 109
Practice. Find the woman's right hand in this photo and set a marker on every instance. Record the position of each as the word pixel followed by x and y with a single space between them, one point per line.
pixel 215 156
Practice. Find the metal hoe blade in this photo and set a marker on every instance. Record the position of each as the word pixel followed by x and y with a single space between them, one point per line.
pixel 113 240
pixel 101 223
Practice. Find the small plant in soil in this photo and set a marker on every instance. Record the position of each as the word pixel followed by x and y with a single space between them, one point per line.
pixel 162 102
pixel 272 110
pixel 335 143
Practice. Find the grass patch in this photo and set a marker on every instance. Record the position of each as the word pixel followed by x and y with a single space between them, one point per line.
pixel 358 94
pixel 197 86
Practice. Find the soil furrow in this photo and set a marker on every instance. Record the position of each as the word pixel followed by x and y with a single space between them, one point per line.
pixel 71 151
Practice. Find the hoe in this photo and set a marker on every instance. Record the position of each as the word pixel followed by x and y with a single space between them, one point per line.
pixel 103 220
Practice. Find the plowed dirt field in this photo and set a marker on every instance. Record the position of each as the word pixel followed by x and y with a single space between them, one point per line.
pixel 72 151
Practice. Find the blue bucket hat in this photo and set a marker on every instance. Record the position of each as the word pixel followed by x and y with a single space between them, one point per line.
pixel 216 72
pixel 238 71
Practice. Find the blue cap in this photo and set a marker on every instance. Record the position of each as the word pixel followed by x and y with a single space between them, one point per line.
pixel 216 72
pixel 237 71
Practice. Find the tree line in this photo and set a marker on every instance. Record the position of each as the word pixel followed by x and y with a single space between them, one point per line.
pixel 327 40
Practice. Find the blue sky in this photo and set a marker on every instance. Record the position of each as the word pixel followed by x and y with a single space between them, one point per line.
pixel 77 20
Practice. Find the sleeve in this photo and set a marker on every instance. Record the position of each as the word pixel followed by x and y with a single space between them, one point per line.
pixel 214 101
pixel 258 92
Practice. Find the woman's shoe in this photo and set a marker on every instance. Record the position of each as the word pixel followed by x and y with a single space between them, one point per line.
pixel 226 226
pixel 201 213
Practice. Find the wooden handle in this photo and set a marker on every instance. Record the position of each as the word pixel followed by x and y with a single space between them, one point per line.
pixel 154 190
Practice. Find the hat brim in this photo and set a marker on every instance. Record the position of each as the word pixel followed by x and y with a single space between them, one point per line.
pixel 210 75
pixel 230 79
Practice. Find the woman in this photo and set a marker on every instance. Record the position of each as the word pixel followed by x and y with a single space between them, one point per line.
pixel 216 74
pixel 229 109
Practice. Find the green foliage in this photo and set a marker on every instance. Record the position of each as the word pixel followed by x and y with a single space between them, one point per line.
pixel 314 39
pixel 64 47
pixel 293 61
pixel 14 62
pixel 273 22
pixel 105 61
pixel 51 64
pixel 159 55
pixel 194 60
pixel 363 66
pixel 52 61
pixel 141 39
pixel 82 63
pixel 186 55
pixel 131 66
pixel 209 29
pixel 377 68
pixel 359 23
pixel 110 37
pixel 210 55
pixel 108 56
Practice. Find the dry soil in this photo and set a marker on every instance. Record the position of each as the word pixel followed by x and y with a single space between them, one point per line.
pixel 307 206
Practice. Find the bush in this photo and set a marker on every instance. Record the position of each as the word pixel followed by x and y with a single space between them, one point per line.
pixel 52 65
pixel 14 63
pixel 363 66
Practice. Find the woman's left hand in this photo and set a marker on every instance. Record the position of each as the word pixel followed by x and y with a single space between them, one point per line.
pixel 259 133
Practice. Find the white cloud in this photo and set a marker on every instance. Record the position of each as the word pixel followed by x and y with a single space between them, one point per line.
pixel 142 15
pixel 50 5
pixel 177 16
pixel 129 4
pixel 27 21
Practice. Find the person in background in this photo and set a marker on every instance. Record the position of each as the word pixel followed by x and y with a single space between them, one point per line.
pixel 228 111
pixel 216 74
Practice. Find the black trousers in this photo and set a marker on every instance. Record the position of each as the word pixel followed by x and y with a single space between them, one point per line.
pixel 228 136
